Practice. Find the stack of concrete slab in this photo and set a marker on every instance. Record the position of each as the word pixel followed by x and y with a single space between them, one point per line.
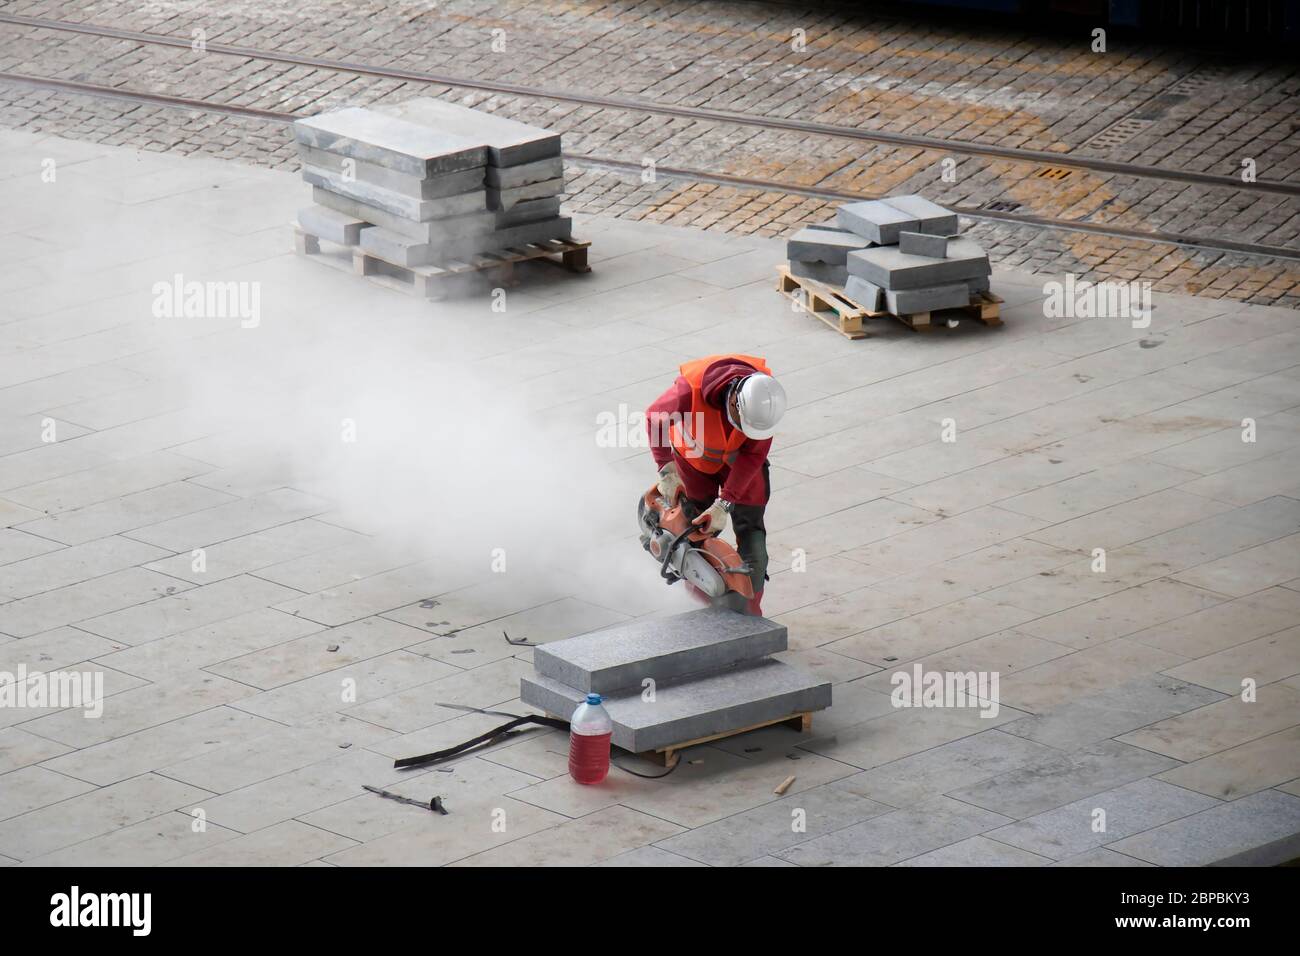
pixel 667 681
pixel 419 182
pixel 910 258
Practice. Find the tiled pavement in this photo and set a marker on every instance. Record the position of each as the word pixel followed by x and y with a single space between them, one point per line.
pixel 291 550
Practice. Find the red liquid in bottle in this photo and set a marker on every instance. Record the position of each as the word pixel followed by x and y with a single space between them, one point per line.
pixel 589 757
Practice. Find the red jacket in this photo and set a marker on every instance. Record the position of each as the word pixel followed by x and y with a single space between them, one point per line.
pixel 751 455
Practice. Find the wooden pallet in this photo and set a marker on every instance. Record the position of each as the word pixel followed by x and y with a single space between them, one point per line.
pixel 983 307
pixel 822 302
pixel 668 756
pixel 430 282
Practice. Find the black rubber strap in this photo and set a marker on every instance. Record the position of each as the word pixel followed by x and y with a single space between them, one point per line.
pixel 478 741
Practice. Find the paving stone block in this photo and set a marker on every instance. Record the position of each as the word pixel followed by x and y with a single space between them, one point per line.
pixel 437 230
pixel 736 698
pixel 921 244
pixel 417 187
pixel 420 210
pixel 821 245
pixel 401 251
pixel 332 225
pixel 1233 832
pixel 876 220
pixel 831 275
pixel 534 210
pixel 390 141
pixel 907 301
pixel 865 294
pixel 934 219
pixel 558 228
pixel 664 649
pixel 980 284
pixel 508 198
pixel 524 174
pixel 508 143
pixel 891 268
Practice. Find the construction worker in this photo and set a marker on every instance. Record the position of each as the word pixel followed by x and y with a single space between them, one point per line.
pixel 710 434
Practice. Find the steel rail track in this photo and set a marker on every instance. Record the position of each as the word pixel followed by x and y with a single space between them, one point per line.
pixel 936 144
pixel 694 175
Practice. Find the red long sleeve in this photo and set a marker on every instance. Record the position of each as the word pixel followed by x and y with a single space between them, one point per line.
pixel 674 402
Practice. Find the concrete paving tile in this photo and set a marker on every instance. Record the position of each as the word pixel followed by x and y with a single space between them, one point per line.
pixel 1084 720
pixel 1068 830
pixel 49 461
pixel 54 649
pixel 93 814
pixel 339 690
pixel 231 520
pixel 242 763
pixel 375 594
pixel 1219 832
pixel 1225 449
pixel 1222 725
pixel 34 787
pixel 582 842
pixel 195 649
pixel 195 608
pixel 1239 771
pixel 18 749
pixel 156 747
pixel 818 581
pixel 1122 613
pixel 565 796
pixel 317 653
pixel 1251 482
pixel 139 709
pixel 950 768
pixel 543 755
pixel 816 625
pixel 253 552
pixel 285 844
pixel 436 840
pixel 114 683
pixel 977 851
pixel 1057 778
pixel 1003 653
pixel 107 481
pixel 1099 489
pixel 1101 856
pixel 18 545
pixel 418 706
pixel 976 572
pixel 930 632
pixel 1225 625
pixel 78 603
pixel 73 565
pixel 855 527
pixel 125 513
pixel 147 843
pixel 1247 571
pixel 1045 686
pixel 1263 660
pixel 778 825
pixel 894 837
pixel 648 856
pixel 1292 788
pixel 945 539
pixel 826 664
pixel 1130 521
pixel 901 733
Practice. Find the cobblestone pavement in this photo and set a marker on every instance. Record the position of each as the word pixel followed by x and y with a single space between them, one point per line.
pixel 278 611
pixel 1180 110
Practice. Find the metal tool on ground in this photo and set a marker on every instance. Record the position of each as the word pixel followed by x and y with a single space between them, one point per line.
pixel 434 805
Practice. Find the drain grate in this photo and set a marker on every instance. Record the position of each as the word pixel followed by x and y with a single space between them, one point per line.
pixel 1055 173
pixel 1118 133
pixel 1001 205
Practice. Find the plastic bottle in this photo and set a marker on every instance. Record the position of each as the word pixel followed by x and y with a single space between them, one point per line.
pixel 589 733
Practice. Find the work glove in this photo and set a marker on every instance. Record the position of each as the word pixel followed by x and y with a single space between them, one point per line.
pixel 714 521
pixel 670 483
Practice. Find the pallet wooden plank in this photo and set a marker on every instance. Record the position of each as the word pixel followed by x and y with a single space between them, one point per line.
pixel 669 756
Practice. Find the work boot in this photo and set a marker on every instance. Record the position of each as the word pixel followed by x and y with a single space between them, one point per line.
pixel 755 605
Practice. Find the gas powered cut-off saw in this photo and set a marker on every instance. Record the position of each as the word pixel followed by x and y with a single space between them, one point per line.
pixel 709 566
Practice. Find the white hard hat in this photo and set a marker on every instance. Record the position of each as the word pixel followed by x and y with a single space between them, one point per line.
pixel 760 405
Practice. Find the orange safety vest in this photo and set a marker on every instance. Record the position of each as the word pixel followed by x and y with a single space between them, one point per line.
pixel 710 451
